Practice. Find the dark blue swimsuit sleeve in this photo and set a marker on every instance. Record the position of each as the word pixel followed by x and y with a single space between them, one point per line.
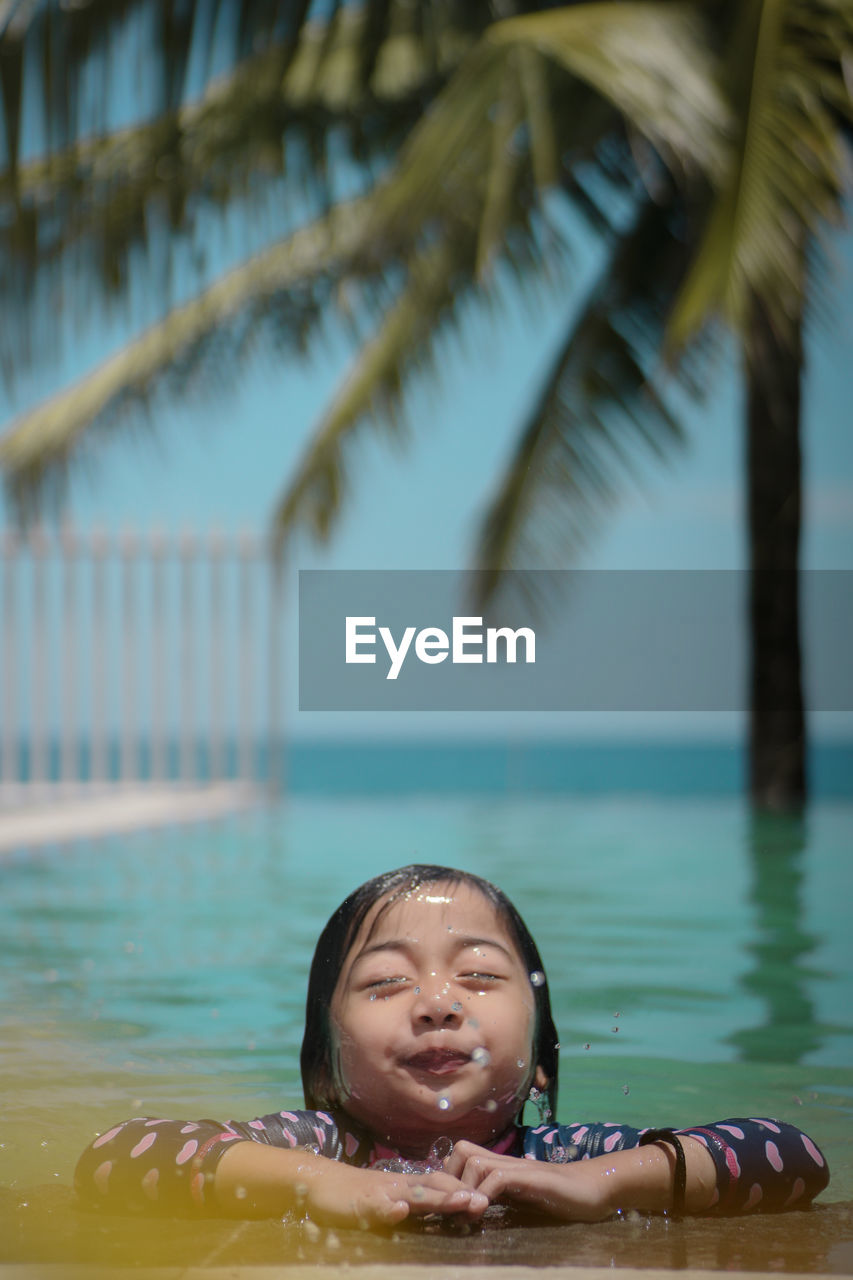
pixel 761 1164
pixel 145 1165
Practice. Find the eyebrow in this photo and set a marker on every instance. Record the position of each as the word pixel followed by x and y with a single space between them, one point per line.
pixel 406 944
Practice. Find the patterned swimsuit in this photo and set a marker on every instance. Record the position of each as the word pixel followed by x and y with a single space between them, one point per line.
pixel 169 1165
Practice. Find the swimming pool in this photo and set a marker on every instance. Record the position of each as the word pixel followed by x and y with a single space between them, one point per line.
pixel 699 963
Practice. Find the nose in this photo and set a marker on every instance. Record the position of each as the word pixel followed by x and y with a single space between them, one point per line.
pixel 437 1007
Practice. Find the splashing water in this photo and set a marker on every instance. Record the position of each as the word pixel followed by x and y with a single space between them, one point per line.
pixel 540 1102
pixel 558 1155
pixel 434 1163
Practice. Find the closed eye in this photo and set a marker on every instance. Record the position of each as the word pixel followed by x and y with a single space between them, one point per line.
pixel 481 977
pixel 385 982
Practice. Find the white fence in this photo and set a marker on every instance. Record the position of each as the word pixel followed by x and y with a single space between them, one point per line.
pixel 139 656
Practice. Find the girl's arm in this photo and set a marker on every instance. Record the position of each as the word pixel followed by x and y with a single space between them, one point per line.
pixel 263 1168
pixel 264 1182
pixel 589 1190
pixel 589 1171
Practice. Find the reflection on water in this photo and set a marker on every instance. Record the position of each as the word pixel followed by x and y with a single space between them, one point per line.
pixel 48 1228
pixel 777 849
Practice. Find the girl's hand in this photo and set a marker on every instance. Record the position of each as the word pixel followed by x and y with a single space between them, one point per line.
pixel 257 1181
pixel 589 1190
pixel 345 1196
pixel 578 1192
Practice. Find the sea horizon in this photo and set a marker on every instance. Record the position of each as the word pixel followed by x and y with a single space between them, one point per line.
pixel 442 765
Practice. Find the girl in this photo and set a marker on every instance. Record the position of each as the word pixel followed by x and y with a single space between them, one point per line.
pixel 428 1026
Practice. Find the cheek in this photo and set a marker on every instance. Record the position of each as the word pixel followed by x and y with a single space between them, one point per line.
pixel 354 1042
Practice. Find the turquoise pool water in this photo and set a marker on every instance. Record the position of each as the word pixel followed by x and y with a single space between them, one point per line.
pixel 700 964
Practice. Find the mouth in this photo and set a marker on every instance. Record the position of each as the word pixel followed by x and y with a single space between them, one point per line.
pixel 438 1062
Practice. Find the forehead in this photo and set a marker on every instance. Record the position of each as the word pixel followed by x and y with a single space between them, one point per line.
pixel 431 910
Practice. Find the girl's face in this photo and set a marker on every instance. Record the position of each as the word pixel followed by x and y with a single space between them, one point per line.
pixel 433 1021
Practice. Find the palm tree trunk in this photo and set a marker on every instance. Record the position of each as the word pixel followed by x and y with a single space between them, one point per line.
pixel 774 364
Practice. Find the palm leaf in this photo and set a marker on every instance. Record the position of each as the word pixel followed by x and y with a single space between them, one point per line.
pixel 242 125
pixel 314 496
pixel 276 287
pixel 88 205
pixel 440 281
pixel 664 84
pixel 650 59
pixel 597 413
pixel 786 178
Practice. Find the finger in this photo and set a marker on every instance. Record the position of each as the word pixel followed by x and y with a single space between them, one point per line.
pixel 388 1212
pixel 459 1200
pixel 460 1155
pixel 379 1211
pixel 503 1184
pixel 525 1186
pixel 475 1170
pixel 440 1181
pixel 479 1166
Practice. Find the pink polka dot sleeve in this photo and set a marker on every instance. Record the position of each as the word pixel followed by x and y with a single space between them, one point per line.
pixel 168 1166
pixel 762 1165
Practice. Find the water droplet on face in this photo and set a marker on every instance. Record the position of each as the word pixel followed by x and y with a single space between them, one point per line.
pixel 373 995
pixel 417 991
pixel 625 1090
pixel 456 1007
pixel 520 1063
pixel 444 1104
pixel 491 1105
pixel 537 978
pixel 481 1056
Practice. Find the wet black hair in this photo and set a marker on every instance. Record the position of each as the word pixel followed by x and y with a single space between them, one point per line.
pixel 338 936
